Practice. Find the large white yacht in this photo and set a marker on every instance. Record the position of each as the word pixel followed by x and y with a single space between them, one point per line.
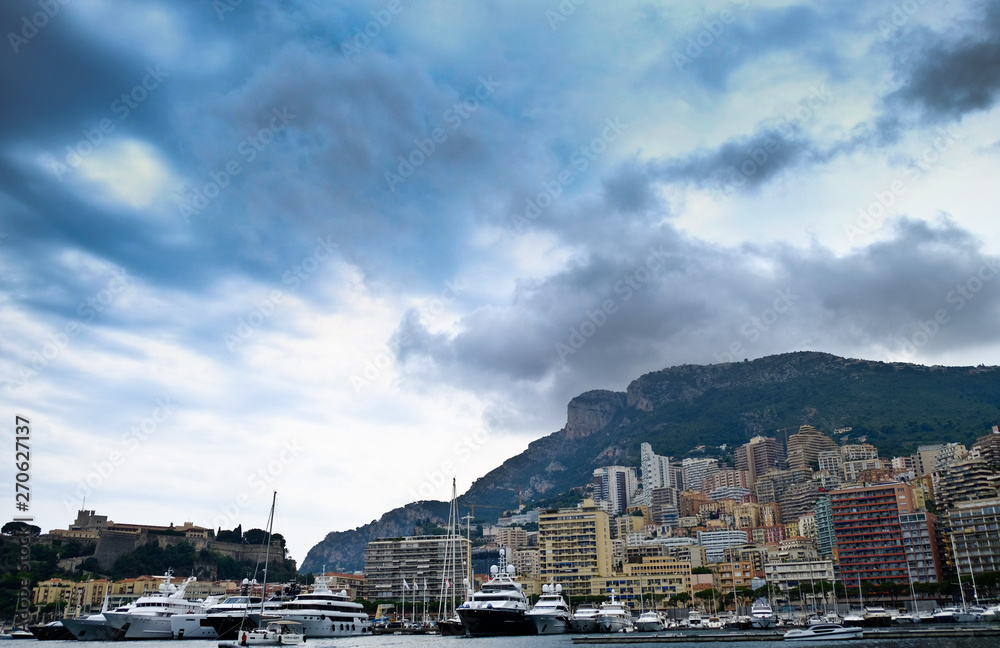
pixel 650 621
pixel 149 616
pixel 613 616
pixel 761 614
pixel 499 608
pixel 584 619
pixel 550 613
pixel 325 613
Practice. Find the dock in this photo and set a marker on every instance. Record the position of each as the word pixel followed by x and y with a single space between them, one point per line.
pixel 741 636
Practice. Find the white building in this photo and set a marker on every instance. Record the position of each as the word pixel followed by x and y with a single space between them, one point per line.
pixel 655 472
pixel 715 543
pixel 695 471
pixel 614 488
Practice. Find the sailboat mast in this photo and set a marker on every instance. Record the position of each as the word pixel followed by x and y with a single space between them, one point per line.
pixel 958 570
pixel 267 552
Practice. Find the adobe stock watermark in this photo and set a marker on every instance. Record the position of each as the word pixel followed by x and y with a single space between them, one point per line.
pixel 593 320
pixel 122 107
pixel 900 15
pixel 31 26
pixel 193 201
pixel 130 441
pixel 223 7
pixel 87 311
pixel 871 218
pixel 364 35
pixel 757 157
pixel 423 316
pixel 263 309
pixel 704 39
pixel 958 297
pixel 754 326
pixel 425 147
pixel 259 481
pixel 580 160
pixel 562 12
pixel 462 451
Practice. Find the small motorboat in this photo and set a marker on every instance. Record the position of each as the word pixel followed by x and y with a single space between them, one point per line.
pixel 824 632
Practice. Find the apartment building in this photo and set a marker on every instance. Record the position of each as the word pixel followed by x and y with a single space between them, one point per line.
pixel 574 547
pixel 866 522
pixel 419 559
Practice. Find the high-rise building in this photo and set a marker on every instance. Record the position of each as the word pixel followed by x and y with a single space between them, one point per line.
pixel 696 470
pixel 826 540
pixel 725 478
pixel 793 490
pixel 927 458
pixel 965 479
pixel 574 547
pixel 988 448
pixel 974 527
pixel 655 471
pixel 921 543
pixel 716 541
pixel 614 488
pixel 866 522
pixel 417 559
pixel 805 445
pixel 759 456
pixel 664 504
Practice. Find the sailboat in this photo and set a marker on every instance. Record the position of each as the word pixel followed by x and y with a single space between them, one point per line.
pixel 449 623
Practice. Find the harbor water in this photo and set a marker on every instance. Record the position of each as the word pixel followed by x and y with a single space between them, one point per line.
pixel 545 641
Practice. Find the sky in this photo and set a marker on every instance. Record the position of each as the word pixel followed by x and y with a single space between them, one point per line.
pixel 349 251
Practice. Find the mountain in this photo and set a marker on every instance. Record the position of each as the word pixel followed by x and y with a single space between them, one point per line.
pixel 896 406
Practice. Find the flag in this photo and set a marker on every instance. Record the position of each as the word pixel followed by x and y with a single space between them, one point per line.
pixel 425 584
pixel 447 583
pixel 405 584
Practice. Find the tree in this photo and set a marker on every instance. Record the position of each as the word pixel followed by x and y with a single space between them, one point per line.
pixel 20 527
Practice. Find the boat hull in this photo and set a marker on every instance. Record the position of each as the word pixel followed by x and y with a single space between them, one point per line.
pixel 807 635
pixel 550 623
pixel 451 628
pixel 90 629
pixel 51 632
pixel 137 626
pixel 613 624
pixel 192 626
pixel 228 626
pixel 495 622
pixel 316 626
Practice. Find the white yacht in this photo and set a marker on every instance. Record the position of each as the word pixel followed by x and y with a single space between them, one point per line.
pixel 149 616
pixel 761 614
pixel 904 617
pixel 650 621
pixel 854 618
pixel 550 613
pixel 194 624
pixel 613 616
pixel 824 632
pixel 953 614
pixel 694 618
pixel 325 613
pixel 585 619
pixel 499 608
pixel 876 617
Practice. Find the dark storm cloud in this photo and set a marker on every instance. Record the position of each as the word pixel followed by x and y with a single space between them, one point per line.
pixel 948 76
pixel 612 318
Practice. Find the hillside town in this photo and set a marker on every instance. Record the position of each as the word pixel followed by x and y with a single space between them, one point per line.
pixel 799 514
pixel 813 520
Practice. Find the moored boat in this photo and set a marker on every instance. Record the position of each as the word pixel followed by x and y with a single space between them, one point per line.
pixel 499 607
pixel 650 621
pixel 824 632
pixel 761 614
pixel 550 614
